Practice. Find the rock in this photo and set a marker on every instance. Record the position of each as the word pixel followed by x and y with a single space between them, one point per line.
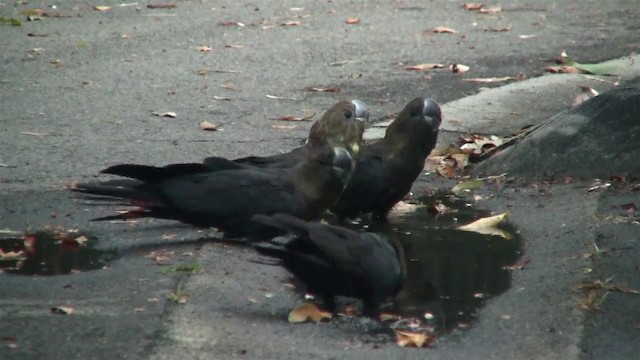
pixel 598 139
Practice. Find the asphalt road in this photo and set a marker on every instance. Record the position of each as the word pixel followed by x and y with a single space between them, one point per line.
pixel 79 96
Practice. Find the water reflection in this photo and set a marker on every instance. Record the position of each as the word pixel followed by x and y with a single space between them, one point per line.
pixel 450 273
pixel 51 253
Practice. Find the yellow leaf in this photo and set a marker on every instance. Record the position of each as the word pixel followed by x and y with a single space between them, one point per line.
pixel 413 339
pixel 444 29
pixel 308 312
pixel 422 67
pixel 62 310
pixel 101 8
pixel 488 226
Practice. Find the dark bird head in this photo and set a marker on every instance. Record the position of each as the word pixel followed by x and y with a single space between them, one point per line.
pixel 342 125
pixel 416 127
pixel 324 175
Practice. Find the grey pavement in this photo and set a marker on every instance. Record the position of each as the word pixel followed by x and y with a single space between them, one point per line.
pixel 81 98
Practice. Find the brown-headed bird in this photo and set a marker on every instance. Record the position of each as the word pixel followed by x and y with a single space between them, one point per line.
pixel 227 198
pixel 342 125
pixel 335 261
pixel 386 169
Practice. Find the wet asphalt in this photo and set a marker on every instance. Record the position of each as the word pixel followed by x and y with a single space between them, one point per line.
pixel 78 90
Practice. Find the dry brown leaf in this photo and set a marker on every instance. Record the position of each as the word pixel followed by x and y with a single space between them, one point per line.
pixel 333 89
pixel 207 126
pixel 459 68
pixel 501 29
pixel 170 114
pixel 62 310
pixel 443 29
pixel 161 257
pixel 293 118
pixel 491 10
pixel 413 339
pixel 490 80
pixel 161 6
pixel 308 312
pixel 101 8
pixel 352 21
pixel 472 6
pixel 462 160
pixel 290 23
pixel 422 67
pixel 230 23
pixel 203 48
pixel 446 168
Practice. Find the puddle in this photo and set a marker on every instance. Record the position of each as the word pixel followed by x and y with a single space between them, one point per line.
pixel 450 273
pixel 51 253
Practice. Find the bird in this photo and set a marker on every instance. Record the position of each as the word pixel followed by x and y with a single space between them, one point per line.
pixel 334 261
pixel 386 169
pixel 227 198
pixel 341 125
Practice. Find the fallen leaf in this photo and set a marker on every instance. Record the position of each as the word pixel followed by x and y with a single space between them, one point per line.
pixel 62 310
pixel 490 80
pixel 32 12
pixel 352 21
pixel 290 23
pixel 308 312
pixel 472 6
pixel 443 29
pixel 234 46
pixel 161 257
pixel 413 339
pixel 34 133
pixel 207 126
pixel 170 114
pixel 333 89
pixel 276 126
pixel 293 118
pixel 459 68
pixel 222 98
pixel 524 37
pixel 161 6
pixel 500 29
pixel 562 69
pixel 101 8
pixel 488 226
pixel 203 48
pixel 230 23
pixel 427 66
pixel 462 160
pixel 446 168
pixel 491 10
pixel 440 208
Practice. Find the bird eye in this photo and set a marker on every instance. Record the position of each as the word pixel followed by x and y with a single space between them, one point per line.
pixel 348 114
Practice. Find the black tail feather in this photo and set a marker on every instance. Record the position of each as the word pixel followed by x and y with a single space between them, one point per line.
pixel 152 174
